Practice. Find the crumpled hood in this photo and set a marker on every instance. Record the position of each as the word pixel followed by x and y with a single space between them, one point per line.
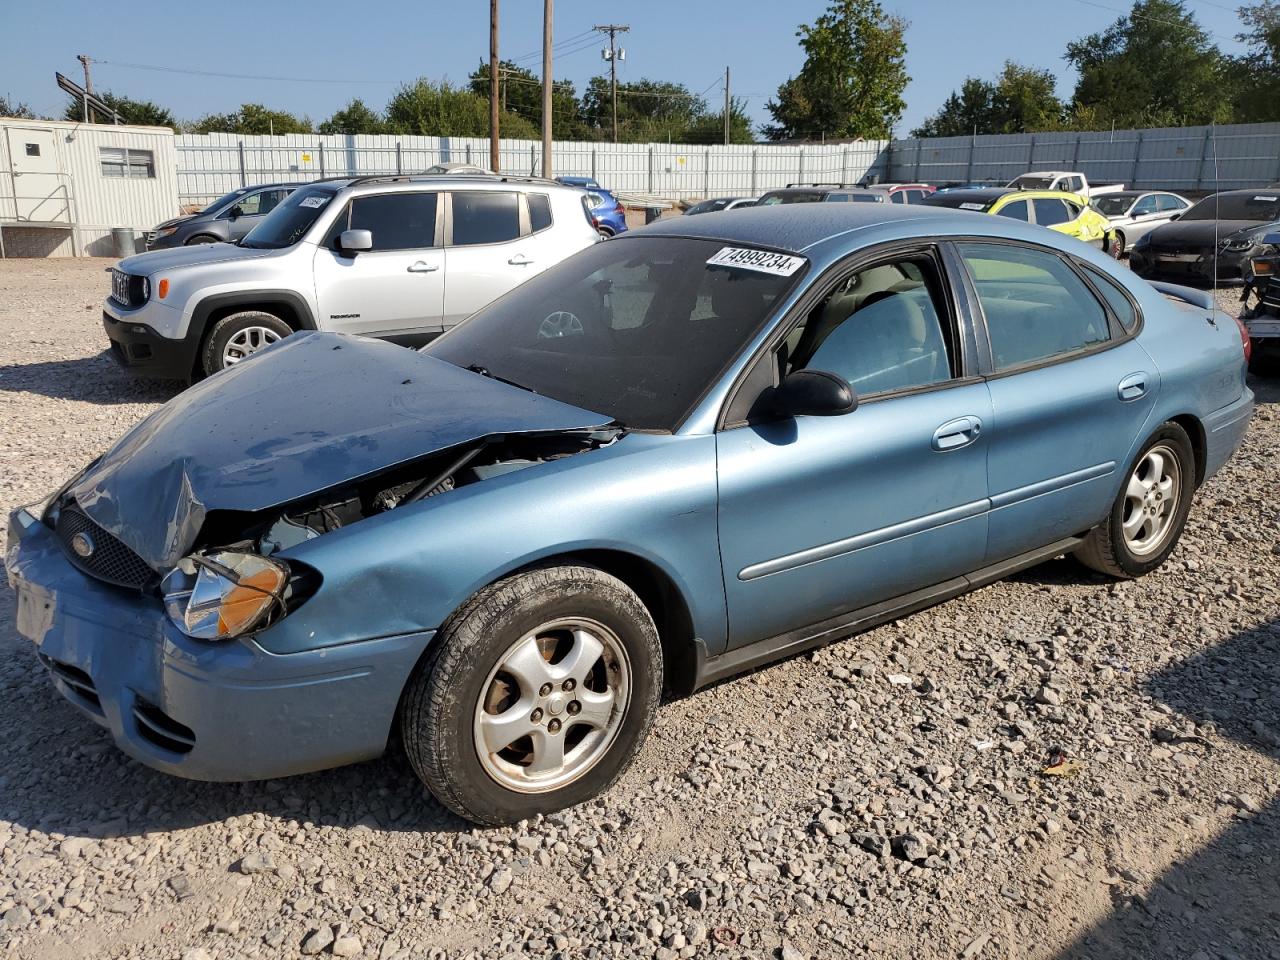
pixel 155 261
pixel 312 412
pixel 1196 234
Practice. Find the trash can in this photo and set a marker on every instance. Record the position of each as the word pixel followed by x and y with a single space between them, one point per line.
pixel 124 241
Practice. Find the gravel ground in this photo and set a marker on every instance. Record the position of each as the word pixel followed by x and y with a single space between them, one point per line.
pixel 882 797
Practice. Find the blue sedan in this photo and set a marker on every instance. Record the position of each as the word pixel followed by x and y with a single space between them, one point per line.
pixel 671 458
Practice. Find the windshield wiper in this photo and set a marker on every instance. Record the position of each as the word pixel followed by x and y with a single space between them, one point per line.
pixel 485 372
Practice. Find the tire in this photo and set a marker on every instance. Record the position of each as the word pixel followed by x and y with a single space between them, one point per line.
pixel 1107 548
pixel 1117 246
pixel 605 232
pixel 201 238
pixel 254 329
pixel 461 686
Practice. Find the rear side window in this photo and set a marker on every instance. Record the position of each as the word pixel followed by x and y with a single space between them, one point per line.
pixel 539 211
pixel 1116 299
pixel 485 216
pixel 1050 210
pixel 1017 210
pixel 398 221
pixel 1036 307
pixel 1167 201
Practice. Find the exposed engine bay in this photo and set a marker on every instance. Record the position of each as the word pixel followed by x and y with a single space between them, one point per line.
pixel 269 533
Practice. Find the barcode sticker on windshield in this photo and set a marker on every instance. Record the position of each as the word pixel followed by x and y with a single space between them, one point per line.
pixel 764 261
pixel 972 206
pixel 313 202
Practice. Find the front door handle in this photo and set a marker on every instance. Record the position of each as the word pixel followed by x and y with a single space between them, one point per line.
pixel 957 433
pixel 1132 387
pixel 423 267
pixel 519 260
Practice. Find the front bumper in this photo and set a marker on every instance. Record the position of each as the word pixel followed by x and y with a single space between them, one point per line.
pixel 228 711
pixel 1194 267
pixel 144 353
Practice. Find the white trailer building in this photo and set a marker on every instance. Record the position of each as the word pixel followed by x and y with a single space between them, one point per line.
pixel 64 186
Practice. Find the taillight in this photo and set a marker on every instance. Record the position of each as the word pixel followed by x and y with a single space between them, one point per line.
pixel 619 210
pixel 595 222
pixel 1244 339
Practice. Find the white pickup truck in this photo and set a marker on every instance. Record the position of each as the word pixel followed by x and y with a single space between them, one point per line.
pixel 1066 180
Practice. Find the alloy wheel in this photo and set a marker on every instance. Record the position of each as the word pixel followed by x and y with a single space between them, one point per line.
pixel 1151 500
pixel 247 341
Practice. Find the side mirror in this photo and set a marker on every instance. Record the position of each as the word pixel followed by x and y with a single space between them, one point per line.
pixel 1175 217
pixel 814 393
pixel 235 212
pixel 354 241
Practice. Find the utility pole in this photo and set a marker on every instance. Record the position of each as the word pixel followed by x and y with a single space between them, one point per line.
pixel 546 87
pixel 613 55
pixel 726 106
pixel 494 116
pixel 85 60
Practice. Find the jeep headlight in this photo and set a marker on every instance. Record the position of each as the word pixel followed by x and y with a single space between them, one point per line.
pixel 223 594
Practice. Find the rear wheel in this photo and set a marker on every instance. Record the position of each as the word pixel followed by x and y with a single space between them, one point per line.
pixel 240 335
pixel 535 696
pixel 1150 511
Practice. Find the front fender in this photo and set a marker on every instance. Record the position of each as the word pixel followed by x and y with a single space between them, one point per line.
pixel 653 497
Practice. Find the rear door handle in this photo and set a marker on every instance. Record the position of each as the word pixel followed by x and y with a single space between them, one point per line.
pixel 519 260
pixel 423 267
pixel 1132 387
pixel 957 433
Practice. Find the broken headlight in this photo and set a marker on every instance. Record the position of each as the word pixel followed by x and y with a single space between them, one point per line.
pixel 223 594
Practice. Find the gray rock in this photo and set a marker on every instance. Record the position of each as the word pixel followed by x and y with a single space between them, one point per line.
pixel 316 941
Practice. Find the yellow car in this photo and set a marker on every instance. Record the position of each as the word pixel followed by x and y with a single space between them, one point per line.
pixel 1067 213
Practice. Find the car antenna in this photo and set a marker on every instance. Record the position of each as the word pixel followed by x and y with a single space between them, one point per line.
pixel 1217 202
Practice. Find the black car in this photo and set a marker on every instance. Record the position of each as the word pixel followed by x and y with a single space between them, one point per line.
pixel 227 219
pixel 1213 241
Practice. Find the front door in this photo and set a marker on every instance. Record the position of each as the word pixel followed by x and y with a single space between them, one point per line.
pixel 820 516
pixel 397 288
pixel 1071 392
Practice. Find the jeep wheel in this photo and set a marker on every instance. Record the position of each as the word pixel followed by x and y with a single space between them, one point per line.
pixel 239 335
pixel 535 695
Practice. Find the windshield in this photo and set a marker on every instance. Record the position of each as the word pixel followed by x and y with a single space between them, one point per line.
pixel 637 329
pixel 224 199
pixel 1032 183
pixel 292 217
pixel 1262 207
pixel 1113 206
pixel 707 206
pixel 962 199
pixel 769 199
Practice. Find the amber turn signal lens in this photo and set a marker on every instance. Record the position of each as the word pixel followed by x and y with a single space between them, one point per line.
pixel 163 289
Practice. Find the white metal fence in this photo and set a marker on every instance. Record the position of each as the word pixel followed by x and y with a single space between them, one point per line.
pixel 1176 158
pixel 210 165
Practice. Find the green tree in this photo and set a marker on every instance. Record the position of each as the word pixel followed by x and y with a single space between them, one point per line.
pixel 442 110
pixel 521 94
pixel 1153 67
pixel 710 127
pixel 253 119
pixel 355 118
pixel 16 109
pixel 1021 99
pixel 852 80
pixel 969 109
pixel 143 113
pixel 648 110
pixel 1256 73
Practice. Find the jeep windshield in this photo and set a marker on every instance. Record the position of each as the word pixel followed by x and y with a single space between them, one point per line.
pixel 290 220
pixel 637 329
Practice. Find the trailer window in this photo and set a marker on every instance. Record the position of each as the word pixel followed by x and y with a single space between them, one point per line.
pixel 127 162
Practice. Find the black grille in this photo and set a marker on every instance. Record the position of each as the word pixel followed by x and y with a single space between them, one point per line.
pixel 110 560
pixel 161 729
pixel 127 289
pixel 80 683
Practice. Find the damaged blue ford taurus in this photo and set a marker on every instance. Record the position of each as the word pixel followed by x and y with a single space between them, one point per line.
pixel 674 457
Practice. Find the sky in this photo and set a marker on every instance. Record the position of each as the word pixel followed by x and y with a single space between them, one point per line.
pixel 333 51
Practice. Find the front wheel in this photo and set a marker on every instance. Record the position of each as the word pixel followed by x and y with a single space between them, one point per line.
pixel 1150 511
pixel 240 335
pixel 1117 246
pixel 535 696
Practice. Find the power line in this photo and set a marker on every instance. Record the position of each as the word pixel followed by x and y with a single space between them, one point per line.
pixel 558 47
pixel 236 76
pixel 1142 16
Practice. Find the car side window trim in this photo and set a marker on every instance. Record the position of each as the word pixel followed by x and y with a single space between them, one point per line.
pixel 989 372
pixel 734 411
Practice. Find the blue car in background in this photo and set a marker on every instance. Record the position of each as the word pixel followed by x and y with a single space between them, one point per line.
pixel 668 459
pixel 607 213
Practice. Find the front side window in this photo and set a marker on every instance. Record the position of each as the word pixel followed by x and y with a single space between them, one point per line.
pixel 397 221
pixel 635 329
pixel 485 216
pixel 1036 307
pixel 1144 207
pixel 260 203
pixel 127 162
pixel 1050 210
pixel 881 329
pixel 899 197
pixel 1017 210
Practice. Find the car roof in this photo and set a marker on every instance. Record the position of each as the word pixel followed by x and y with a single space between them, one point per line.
pixel 469 181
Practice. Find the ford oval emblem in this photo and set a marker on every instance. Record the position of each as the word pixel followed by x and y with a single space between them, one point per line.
pixel 82 544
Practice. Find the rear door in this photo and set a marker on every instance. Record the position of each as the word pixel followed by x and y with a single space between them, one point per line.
pixel 395 289
pixel 1071 391
pixel 491 249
